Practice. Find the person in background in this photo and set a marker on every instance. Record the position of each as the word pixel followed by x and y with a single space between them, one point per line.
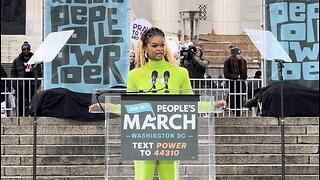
pixel 257 74
pixel 254 86
pixel 3 88
pixel 153 54
pixel 195 63
pixel 132 60
pixel 200 70
pixel 220 83
pixel 235 68
pixel 20 69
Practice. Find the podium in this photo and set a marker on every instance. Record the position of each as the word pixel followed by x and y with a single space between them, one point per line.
pixel 159 127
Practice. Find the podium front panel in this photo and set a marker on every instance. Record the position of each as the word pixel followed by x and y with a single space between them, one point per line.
pixel 201 166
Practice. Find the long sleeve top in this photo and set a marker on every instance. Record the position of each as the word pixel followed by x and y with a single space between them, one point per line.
pixel 178 82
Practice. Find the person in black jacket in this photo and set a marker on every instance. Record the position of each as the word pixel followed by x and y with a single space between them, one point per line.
pixel 20 69
pixel 235 68
pixel 195 63
pixel 3 75
pixel 254 86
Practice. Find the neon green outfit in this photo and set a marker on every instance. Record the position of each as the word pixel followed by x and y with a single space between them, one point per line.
pixel 140 79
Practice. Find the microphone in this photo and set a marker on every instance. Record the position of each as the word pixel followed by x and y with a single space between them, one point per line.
pixel 166 76
pixel 154 77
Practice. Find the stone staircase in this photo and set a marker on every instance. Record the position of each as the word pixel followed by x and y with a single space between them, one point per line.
pixel 246 149
pixel 217 49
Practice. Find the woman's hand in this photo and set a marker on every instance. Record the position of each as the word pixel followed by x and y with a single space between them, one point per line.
pixel 95 107
pixel 220 104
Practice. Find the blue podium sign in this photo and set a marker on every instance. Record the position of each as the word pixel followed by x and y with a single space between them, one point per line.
pixel 159 127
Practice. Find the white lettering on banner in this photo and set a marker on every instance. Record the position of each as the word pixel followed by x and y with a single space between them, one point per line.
pixel 142 145
pixel 296 26
pixel 176 108
pixel 161 121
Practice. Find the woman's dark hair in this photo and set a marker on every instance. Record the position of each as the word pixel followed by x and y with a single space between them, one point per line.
pixel 153 31
pixel 201 51
pixel 237 65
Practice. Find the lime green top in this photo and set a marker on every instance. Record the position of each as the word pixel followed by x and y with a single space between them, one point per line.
pixel 140 78
pixel 178 83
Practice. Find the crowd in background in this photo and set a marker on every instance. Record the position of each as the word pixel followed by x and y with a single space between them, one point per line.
pixel 191 57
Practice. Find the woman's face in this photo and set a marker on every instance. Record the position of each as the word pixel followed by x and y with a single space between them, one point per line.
pixel 198 52
pixel 155 48
pixel 132 57
pixel 239 56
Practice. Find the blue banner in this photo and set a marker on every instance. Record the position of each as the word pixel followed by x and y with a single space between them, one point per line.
pixel 295 24
pixel 97 54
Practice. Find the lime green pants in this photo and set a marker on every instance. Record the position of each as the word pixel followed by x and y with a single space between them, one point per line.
pixel 167 169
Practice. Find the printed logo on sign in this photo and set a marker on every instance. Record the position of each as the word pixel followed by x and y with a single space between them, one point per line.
pixel 159 130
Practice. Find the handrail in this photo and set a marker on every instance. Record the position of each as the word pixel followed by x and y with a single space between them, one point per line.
pixel 217 87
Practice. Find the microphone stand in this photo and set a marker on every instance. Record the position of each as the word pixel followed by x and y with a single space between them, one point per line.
pixel 167 89
pixel 34 125
pixel 283 169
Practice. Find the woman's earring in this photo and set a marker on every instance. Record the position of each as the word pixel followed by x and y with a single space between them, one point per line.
pixel 146 55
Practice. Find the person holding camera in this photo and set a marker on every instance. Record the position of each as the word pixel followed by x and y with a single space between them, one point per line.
pixel 194 62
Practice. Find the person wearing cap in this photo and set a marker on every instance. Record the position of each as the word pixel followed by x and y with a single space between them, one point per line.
pixel 235 69
pixel 20 69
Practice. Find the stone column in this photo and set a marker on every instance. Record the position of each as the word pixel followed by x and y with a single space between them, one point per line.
pixel 34 18
pixel 227 17
pixel 189 21
pixel 165 15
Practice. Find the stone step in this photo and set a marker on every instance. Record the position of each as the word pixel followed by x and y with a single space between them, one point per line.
pixel 219 130
pixel 188 170
pixel 246 148
pixel 220 159
pixel 217 49
pixel 265 177
pixel 269 121
pixel 224 46
pixel 225 38
pixel 218 177
pixel 272 130
pixel 220 149
pixel 245 53
pixel 100 139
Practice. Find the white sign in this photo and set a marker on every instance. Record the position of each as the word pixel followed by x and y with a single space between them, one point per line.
pixel 50 47
pixel 267 44
pixel 137 27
